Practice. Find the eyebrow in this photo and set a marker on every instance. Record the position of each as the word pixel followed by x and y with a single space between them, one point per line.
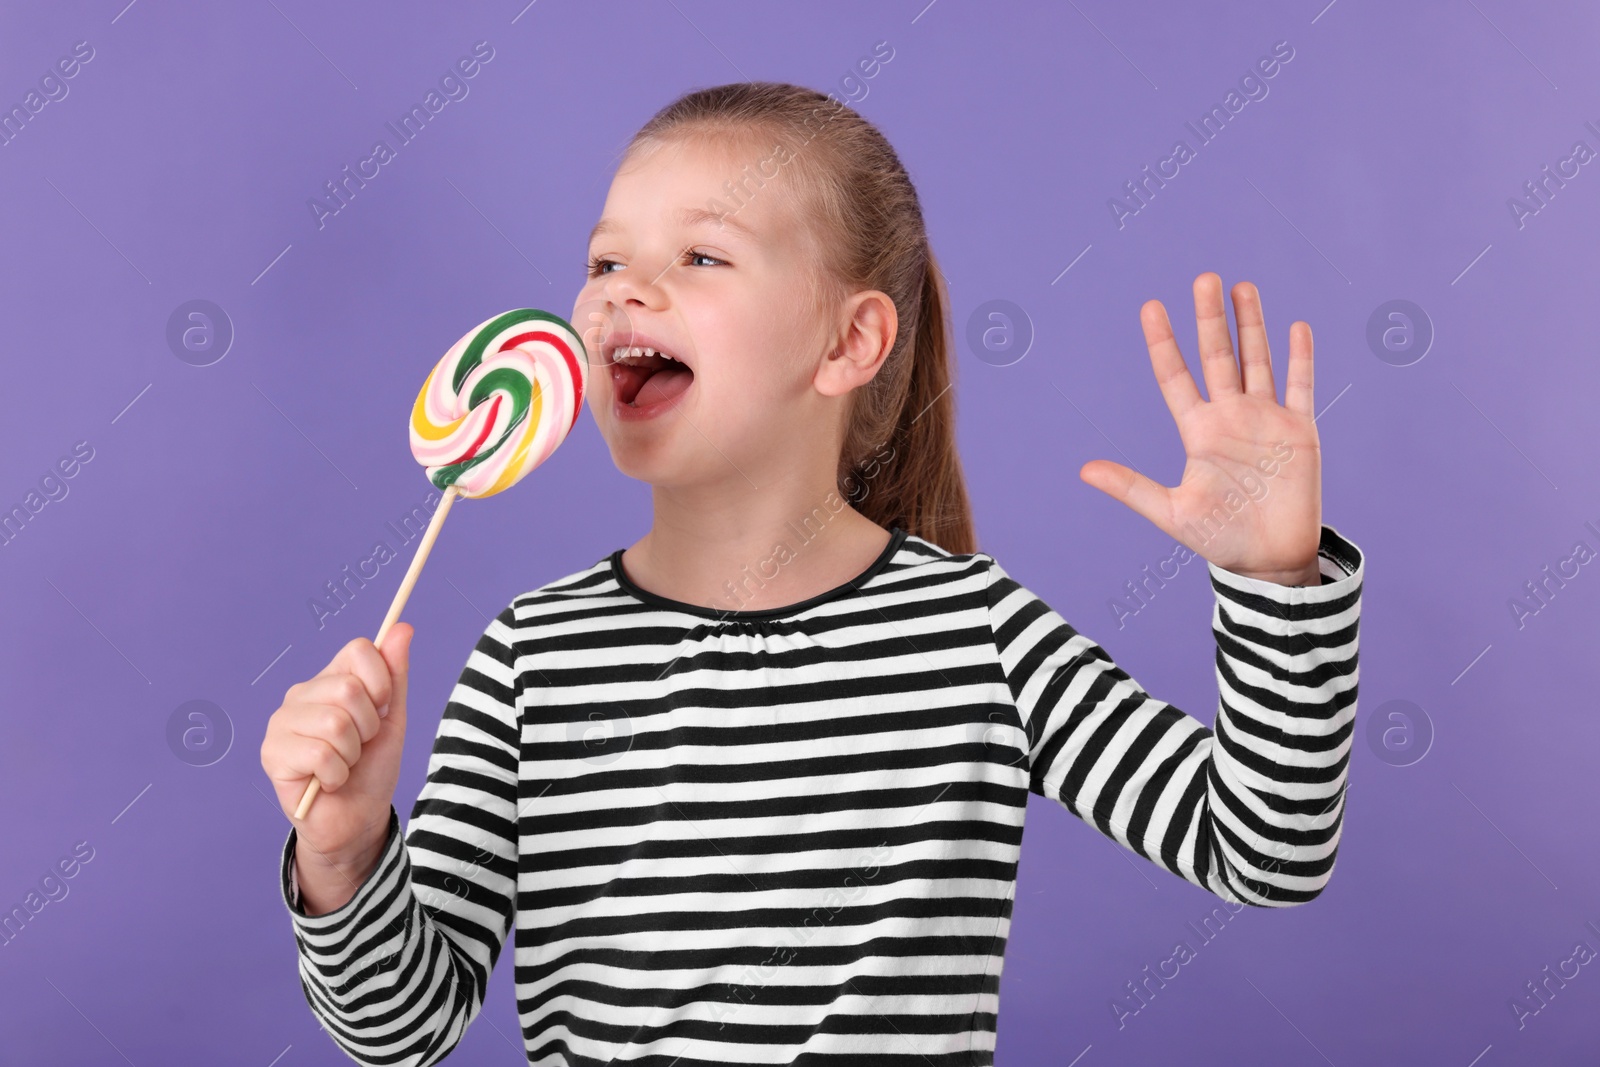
pixel 691 216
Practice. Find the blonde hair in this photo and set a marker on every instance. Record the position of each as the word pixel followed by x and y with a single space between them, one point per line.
pixel 867 232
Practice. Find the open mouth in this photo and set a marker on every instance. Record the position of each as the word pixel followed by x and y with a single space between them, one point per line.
pixel 643 375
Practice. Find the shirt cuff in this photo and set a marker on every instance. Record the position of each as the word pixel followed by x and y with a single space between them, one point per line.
pixel 392 869
pixel 1341 564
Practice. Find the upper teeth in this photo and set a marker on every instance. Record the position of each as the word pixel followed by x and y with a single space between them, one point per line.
pixel 639 353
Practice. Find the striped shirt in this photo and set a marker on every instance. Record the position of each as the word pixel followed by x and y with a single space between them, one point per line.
pixel 792 835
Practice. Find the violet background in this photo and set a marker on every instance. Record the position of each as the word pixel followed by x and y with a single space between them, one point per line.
pixel 221 498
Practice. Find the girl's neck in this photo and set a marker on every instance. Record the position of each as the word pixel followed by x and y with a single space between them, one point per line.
pixel 767 550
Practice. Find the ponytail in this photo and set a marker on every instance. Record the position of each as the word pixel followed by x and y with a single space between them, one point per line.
pixel 914 479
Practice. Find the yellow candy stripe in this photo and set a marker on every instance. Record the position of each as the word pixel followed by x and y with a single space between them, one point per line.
pixel 419 417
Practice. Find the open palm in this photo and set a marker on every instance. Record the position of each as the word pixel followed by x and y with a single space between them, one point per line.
pixel 1250 500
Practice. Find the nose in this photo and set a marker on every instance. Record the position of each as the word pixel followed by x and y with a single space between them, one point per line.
pixel 637 286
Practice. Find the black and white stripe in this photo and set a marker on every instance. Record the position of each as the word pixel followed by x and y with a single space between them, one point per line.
pixel 792 836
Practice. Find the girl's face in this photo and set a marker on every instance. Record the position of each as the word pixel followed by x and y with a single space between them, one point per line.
pixel 730 300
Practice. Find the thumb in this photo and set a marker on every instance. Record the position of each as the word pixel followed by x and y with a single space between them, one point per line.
pixel 1149 498
pixel 396 650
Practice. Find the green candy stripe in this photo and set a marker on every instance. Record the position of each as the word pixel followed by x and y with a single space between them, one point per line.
pixel 475 348
pixel 519 388
pixel 521 391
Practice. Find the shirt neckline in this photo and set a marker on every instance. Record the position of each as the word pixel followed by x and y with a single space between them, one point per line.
pixel 897 537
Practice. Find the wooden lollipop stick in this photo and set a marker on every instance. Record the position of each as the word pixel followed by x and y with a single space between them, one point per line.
pixel 394 612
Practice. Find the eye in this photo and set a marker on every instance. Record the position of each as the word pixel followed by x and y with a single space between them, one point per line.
pixel 597 265
pixel 701 255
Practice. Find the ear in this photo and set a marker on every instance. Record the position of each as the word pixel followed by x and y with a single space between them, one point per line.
pixel 869 332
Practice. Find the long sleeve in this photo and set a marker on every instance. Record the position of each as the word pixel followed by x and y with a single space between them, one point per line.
pixel 397 973
pixel 1251 809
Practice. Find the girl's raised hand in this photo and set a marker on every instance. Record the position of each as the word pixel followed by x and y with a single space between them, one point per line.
pixel 1250 500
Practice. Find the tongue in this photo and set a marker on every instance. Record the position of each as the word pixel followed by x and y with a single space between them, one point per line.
pixel 664 384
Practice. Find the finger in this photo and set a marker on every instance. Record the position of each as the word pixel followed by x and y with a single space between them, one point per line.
pixel 311 757
pixel 1297 395
pixel 1217 361
pixel 349 694
pixel 1172 374
pixel 331 725
pixel 396 652
pixel 1150 499
pixel 361 658
pixel 1255 355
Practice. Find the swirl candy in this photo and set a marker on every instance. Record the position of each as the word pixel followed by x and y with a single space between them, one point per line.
pixel 499 402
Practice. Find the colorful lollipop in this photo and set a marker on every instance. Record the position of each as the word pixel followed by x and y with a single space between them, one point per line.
pixel 495 407
pixel 499 402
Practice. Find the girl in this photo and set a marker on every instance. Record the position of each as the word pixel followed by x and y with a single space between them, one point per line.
pixel 752 790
